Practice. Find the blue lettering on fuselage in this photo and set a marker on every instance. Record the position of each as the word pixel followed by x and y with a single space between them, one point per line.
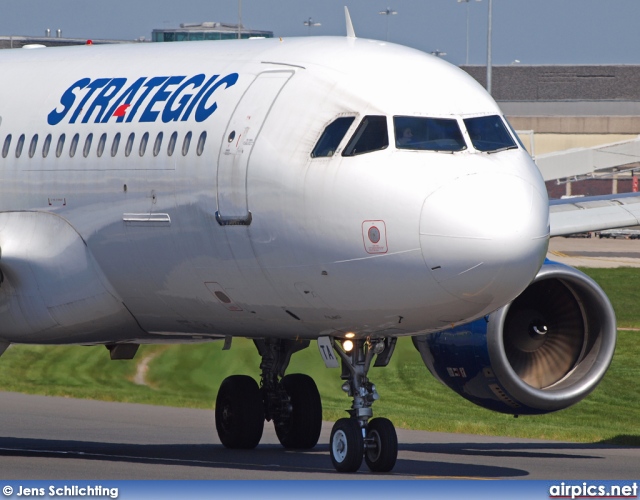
pixel 145 99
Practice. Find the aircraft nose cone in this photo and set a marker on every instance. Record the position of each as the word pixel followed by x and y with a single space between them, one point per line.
pixel 482 247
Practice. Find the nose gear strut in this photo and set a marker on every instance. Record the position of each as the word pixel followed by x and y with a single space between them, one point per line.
pixel 358 437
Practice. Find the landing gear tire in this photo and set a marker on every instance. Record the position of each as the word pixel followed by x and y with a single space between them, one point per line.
pixel 239 412
pixel 382 445
pixel 301 430
pixel 346 445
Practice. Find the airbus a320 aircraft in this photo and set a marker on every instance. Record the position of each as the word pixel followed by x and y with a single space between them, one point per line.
pixel 336 190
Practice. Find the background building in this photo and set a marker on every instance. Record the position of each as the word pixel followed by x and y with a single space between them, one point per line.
pixel 185 33
pixel 557 108
pixel 206 31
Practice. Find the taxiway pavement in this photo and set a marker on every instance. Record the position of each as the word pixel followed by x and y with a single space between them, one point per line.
pixel 595 252
pixel 53 438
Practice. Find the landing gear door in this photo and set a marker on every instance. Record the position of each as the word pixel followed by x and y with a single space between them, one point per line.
pixel 240 136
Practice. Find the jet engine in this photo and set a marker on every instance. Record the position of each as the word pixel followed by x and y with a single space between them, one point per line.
pixel 543 352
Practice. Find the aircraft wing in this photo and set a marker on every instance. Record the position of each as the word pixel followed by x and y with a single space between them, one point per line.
pixel 596 213
pixel 579 215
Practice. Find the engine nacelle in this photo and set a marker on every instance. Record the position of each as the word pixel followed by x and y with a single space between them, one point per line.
pixel 543 352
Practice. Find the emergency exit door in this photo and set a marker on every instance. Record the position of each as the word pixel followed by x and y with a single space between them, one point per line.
pixel 240 137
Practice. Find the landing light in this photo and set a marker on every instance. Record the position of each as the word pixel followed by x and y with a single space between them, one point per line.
pixel 350 335
pixel 347 345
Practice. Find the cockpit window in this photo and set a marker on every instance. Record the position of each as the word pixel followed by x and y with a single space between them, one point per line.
pixel 371 135
pixel 331 137
pixel 489 134
pixel 428 134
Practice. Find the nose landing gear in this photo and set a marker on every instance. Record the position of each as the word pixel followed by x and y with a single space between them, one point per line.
pixel 356 438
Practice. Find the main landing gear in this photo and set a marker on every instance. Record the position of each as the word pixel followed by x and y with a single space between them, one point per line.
pixel 292 402
pixel 357 437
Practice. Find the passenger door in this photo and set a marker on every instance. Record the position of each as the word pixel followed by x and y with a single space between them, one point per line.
pixel 240 136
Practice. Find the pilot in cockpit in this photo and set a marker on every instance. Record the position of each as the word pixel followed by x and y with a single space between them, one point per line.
pixel 407 137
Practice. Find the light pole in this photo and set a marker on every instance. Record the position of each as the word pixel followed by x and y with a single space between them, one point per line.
pixel 309 22
pixel 388 12
pixel 467 2
pixel 489 48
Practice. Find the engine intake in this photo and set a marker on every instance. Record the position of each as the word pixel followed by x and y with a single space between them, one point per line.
pixel 543 352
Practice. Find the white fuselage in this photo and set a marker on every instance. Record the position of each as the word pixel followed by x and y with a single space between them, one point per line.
pixel 457 235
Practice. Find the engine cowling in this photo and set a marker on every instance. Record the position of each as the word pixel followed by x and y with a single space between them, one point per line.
pixel 543 352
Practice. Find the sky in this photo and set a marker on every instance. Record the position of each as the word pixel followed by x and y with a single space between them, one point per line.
pixel 528 31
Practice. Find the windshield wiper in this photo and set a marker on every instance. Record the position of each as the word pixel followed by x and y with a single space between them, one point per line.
pixel 502 149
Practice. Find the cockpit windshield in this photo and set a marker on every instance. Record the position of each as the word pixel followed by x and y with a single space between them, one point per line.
pixel 371 135
pixel 489 134
pixel 428 134
pixel 332 136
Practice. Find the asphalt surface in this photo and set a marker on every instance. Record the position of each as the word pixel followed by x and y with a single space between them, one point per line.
pixel 595 252
pixel 68 439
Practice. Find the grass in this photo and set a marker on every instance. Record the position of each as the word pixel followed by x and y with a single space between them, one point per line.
pixel 622 285
pixel 189 375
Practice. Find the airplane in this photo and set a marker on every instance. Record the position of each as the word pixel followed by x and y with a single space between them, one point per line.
pixel 331 189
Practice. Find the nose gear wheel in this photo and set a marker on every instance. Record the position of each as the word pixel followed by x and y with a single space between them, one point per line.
pixel 381 448
pixel 357 437
pixel 347 445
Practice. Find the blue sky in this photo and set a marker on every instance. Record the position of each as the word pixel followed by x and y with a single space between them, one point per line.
pixel 531 31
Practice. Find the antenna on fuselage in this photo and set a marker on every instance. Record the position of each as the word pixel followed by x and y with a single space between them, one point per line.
pixel 351 33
